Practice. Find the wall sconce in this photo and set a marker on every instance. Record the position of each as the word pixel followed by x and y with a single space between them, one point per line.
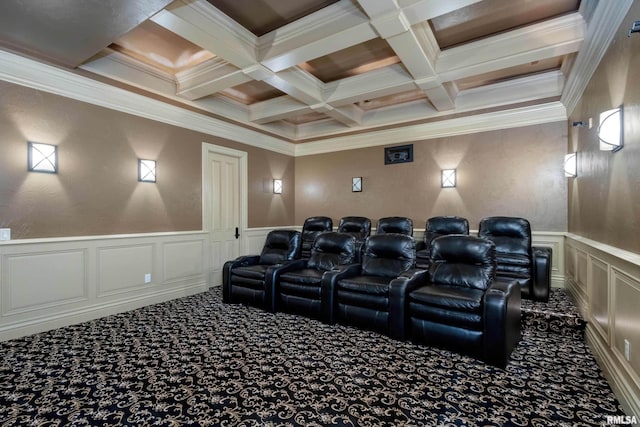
pixel 571 165
pixel 356 184
pixel 146 170
pixel 448 178
pixel 42 157
pixel 610 131
pixel 277 186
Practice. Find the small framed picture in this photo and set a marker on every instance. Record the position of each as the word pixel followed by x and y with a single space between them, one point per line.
pixel 399 154
pixel 356 184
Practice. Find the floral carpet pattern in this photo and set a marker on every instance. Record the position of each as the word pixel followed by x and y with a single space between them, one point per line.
pixel 196 361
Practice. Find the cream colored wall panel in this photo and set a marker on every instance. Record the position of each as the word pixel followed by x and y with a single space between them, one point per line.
pixel 620 271
pixel 121 269
pixel 571 262
pixel 626 318
pixel 56 282
pixel 581 273
pixel 555 241
pixel 34 281
pixel 599 296
pixel 183 259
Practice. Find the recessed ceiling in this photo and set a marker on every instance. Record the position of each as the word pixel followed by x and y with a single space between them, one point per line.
pixel 310 69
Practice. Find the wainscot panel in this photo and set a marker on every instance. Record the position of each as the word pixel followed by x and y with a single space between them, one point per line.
pixel 605 283
pixel 50 283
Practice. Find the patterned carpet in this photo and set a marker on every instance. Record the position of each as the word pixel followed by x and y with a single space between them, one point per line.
pixel 196 361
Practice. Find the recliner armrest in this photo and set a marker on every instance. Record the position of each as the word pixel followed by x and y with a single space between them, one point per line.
pixel 242 261
pixel 399 290
pixel 272 279
pixel 329 280
pixel 541 273
pixel 501 321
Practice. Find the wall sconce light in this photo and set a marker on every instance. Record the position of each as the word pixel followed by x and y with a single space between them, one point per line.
pixel 571 165
pixel 448 178
pixel 42 157
pixel 146 170
pixel 356 184
pixel 610 131
pixel 277 186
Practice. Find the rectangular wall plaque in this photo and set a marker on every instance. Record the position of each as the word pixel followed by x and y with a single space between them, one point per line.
pixel 399 154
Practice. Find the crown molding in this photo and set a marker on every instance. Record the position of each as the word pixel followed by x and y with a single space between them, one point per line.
pixel 30 73
pixel 604 22
pixel 517 117
pixel 36 75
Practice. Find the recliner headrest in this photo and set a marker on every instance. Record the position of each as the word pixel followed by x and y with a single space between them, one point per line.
pixel 388 255
pixel 355 224
pixel 505 226
pixel 331 249
pixel 466 261
pixel 318 223
pixel 279 246
pixel 395 224
pixel 447 225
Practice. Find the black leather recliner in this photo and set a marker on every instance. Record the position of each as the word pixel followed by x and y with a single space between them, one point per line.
pixel 359 227
pixel 517 259
pixel 395 224
pixel 245 278
pixel 435 227
pixel 463 307
pixel 297 287
pixel 310 230
pixel 373 294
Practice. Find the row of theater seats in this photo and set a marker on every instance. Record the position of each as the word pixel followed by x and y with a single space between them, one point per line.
pixel 457 299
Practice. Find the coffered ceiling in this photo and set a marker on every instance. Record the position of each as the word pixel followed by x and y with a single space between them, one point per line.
pixel 307 70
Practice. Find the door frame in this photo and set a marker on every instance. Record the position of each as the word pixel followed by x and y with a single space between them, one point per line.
pixel 243 173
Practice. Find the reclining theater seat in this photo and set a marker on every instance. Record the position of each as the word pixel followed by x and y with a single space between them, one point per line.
pixel 297 287
pixel 357 226
pixel 373 294
pixel 435 227
pixel 395 224
pixel 245 278
pixel 517 259
pixel 462 307
pixel 310 230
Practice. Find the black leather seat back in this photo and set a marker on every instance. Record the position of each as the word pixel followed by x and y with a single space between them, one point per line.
pixel 310 230
pixel 395 224
pixel 358 226
pixel 331 249
pixel 388 255
pixel 511 235
pixel 465 261
pixel 280 246
pixel 444 225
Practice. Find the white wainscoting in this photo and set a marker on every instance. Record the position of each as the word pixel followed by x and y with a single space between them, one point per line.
pixel 605 282
pixel 50 283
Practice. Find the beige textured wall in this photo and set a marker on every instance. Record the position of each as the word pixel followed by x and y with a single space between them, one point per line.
pixel 514 172
pixel 96 190
pixel 604 200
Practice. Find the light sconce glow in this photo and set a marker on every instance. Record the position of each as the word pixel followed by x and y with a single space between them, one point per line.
pixel 277 186
pixel 43 157
pixel 146 170
pixel 571 165
pixel 448 178
pixel 356 184
pixel 610 130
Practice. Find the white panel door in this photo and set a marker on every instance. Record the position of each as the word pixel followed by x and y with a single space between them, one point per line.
pixel 224 219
